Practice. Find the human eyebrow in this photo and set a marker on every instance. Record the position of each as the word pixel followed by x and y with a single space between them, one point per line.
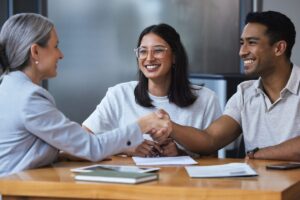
pixel 154 46
pixel 159 46
pixel 250 40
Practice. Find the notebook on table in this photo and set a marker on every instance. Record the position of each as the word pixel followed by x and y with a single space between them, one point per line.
pixel 120 168
pixel 103 175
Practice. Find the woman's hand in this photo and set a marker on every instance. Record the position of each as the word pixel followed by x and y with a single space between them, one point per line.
pixel 147 149
pixel 157 124
pixel 169 148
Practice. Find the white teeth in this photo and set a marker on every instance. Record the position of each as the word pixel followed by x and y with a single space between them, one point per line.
pixel 151 66
pixel 248 61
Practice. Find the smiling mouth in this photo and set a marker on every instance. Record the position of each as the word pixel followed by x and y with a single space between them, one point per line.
pixel 248 61
pixel 152 67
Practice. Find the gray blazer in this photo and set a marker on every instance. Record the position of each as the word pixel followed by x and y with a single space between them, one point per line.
pixel 33 130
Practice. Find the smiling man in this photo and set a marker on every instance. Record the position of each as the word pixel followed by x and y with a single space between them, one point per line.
pixel 266 111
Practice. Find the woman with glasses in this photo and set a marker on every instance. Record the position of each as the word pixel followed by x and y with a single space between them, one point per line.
pixel 32 129
pixel 163 84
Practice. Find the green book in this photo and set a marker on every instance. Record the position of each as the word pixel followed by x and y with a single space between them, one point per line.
pixel 116 176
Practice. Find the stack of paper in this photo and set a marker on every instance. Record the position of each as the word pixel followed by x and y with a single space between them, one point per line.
pixel 178 160
pixel 226 170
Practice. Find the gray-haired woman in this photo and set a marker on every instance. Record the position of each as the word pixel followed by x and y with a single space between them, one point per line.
pixel 32 129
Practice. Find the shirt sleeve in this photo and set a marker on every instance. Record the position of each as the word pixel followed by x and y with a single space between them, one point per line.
pixel 43 119
pixel 234 106
pixel 212 111
pixel 104 117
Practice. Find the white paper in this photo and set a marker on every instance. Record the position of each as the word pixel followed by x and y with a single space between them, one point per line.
pixel 178 160
pixel 226 170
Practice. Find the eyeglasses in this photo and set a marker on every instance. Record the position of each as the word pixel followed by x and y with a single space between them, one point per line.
pixel 157 52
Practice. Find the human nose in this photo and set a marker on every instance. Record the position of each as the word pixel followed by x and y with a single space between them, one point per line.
pixel 150 55
pixel 61 55
pixel 243 50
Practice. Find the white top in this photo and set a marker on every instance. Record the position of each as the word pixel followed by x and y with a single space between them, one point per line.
pixel 119 108
pixel 263 123
pixel 33 130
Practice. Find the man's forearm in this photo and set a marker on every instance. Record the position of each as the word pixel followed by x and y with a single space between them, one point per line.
pixel 288 150
pixel 192 139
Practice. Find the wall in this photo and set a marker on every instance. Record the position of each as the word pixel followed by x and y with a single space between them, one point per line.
pixel 3 11
pixel 98 37
pixel 291 9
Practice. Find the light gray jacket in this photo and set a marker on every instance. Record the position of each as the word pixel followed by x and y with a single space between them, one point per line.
pixel 33 130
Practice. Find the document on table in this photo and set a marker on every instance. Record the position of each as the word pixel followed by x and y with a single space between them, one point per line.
pixel 178 160
pixel 217 171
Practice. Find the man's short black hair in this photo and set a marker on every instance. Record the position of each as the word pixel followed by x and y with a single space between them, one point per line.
pixel 279 27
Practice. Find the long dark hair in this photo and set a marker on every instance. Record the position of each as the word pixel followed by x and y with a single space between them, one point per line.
pixel 180 91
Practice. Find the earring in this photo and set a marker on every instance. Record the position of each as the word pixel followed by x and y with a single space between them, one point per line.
pixel 36 62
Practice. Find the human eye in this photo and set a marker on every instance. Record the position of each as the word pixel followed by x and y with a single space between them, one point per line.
pixel 159 50
pixel 143 51
pixel 253 41
pixel 241 42
pixel 56 44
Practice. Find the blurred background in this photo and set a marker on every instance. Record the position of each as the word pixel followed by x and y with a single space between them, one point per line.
pixel 97 38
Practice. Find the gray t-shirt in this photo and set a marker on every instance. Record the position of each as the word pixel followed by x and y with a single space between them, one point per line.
pixel 265 123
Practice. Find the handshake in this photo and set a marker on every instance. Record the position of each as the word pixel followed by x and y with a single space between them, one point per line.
pixel 159 126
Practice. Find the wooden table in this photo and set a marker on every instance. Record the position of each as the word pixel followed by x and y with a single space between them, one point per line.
pixel 57 182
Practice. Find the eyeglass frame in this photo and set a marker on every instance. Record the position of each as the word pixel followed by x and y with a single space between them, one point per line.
pixel 136 50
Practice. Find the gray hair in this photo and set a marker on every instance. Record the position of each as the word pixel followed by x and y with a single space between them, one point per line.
pixel 17 35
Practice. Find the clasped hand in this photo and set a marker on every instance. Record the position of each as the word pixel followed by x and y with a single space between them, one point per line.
pixel 151 149
pixel 160 127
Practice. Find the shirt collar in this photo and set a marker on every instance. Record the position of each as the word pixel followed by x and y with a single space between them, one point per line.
pixel 19 74
pixel 292 84
pixel 258 86
pixel 294 80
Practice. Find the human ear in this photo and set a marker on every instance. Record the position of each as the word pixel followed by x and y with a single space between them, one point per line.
pixel 280 47
pixel 34 52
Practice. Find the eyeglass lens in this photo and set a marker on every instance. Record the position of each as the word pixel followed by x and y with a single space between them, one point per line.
pixel 157 52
